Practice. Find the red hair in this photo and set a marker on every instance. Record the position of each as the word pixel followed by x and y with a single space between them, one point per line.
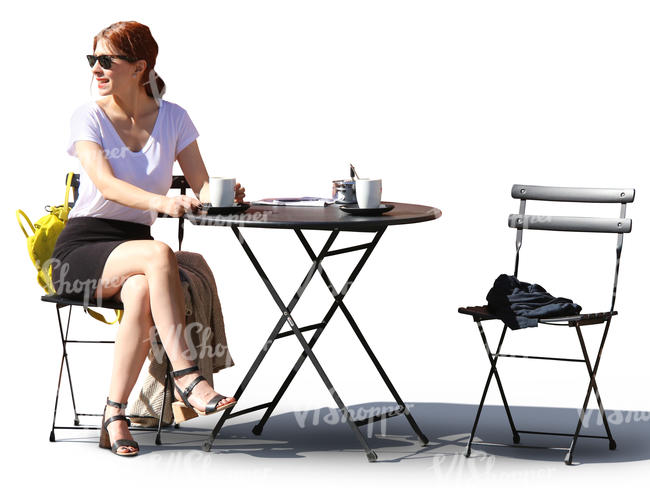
pixel 134 39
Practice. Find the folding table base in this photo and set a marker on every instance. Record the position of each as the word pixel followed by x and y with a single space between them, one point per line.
pixel 592 386
pixel 308 345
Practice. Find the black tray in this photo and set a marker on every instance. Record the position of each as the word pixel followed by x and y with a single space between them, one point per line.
pixel 355 210
pixel 210 210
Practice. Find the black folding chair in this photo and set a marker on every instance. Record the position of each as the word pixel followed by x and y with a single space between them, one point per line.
pixel 522 221
pixel 178 182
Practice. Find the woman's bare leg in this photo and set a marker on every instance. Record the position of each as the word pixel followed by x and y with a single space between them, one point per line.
pixel 157 263
pixel 131 348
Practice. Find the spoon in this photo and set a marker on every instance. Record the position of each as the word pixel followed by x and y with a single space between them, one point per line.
pixel 353 172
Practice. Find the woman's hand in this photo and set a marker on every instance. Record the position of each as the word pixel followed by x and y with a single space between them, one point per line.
pixel 178 205
pixel 240 193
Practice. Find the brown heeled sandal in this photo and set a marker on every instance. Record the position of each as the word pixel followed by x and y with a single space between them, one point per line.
pixel 183 410
pixel 104 438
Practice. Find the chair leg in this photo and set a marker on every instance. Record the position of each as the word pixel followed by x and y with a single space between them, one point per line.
pixel 164 401
pixel 64 359
pixel 56 401
pixel 592 385
pixel 493 372
pixel 468 450
pixel 612 443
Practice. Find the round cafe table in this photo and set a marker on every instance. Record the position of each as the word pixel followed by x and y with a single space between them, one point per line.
pixel 328 218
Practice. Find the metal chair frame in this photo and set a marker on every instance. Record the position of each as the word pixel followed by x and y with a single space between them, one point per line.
pixel 522 221
pixel 178 182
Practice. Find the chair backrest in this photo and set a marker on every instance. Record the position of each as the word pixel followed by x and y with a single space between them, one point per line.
pixel 178 182
pixel 620 226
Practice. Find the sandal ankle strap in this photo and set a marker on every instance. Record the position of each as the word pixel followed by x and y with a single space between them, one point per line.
pixel 183 372
pixel 188 390
pixel 111 403
pixel 184 394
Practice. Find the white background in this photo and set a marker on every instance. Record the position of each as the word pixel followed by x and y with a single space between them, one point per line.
pixel 450 103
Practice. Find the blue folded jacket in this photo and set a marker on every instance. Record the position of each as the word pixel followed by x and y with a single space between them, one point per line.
pixel 521 305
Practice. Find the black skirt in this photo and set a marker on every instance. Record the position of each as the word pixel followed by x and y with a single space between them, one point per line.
pixel 82 249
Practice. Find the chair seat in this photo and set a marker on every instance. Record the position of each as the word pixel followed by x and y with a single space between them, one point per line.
pixel 482 313
pixel 478 312
pixel 61 300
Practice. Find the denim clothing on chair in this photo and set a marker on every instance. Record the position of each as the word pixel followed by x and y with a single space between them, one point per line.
pixel 520 304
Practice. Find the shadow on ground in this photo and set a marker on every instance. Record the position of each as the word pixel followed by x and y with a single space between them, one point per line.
pixel 447 426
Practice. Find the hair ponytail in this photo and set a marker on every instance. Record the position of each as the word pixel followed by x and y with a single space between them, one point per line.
pixel 154 86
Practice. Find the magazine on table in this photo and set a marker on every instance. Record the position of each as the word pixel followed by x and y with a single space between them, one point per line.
pixel 296 201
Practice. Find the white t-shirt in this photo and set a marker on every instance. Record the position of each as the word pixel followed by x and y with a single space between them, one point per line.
pixel 150 168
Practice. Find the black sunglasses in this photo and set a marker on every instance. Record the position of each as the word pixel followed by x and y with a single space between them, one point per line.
pixel 106 60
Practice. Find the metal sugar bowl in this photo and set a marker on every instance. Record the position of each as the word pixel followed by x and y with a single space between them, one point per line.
pixel 343 191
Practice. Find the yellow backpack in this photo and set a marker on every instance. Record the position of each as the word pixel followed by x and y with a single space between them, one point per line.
pixel 40 245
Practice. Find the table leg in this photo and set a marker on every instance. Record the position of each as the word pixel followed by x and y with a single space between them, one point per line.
pixel 307 347
pixel 274 333
pixel 286 311
pixel 338 299
pixel 338 302
pixel 403 408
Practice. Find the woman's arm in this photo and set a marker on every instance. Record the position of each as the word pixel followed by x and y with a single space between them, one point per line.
pixel 99 170
pixel 193 168
pixel 191 163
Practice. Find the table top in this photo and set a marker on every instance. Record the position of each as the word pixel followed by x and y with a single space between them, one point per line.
pixel 329 217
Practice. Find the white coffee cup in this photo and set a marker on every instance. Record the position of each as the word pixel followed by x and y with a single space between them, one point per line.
pixel 368 192
pixel 222 191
